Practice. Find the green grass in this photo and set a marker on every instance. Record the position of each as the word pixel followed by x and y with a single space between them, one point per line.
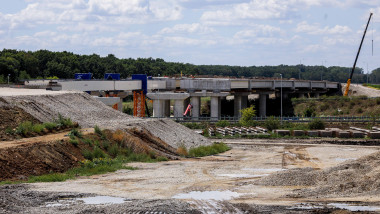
pixel 208 150
pixel 372 86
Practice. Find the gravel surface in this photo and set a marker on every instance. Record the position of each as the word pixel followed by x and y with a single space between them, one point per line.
pixel 359 90
pixel 89 112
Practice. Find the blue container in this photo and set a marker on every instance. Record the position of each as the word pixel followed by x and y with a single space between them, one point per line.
pixel 83 76
pixel 144 81
pixel 111 76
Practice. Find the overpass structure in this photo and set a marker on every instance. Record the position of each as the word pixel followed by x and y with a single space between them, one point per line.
pixel 190 90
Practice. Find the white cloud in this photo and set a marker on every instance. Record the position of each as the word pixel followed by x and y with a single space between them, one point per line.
pixel 315 29
pixel 187 28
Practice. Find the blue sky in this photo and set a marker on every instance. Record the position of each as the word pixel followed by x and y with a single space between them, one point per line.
pixel 238 32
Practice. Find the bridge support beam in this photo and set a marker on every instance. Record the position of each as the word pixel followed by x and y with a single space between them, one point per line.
pixel 240 102
pixel 263 104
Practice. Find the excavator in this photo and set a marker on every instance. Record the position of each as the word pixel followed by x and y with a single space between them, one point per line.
pixel 357 56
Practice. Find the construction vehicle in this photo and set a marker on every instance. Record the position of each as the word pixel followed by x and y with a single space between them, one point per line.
pixel 356 59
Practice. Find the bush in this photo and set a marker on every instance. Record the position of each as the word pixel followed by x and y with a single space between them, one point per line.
pixel 98 153
pixel 105 145
pixel 87 154
pixel 272 123
pixel 75 133
pixel 309 111
pixel 316 124
pixel 50 126
pixel 24 128
pixel 98 131
pixel 75 142
pixel 38 128
pixel 246 116
pixel 64 122
pixel 113 151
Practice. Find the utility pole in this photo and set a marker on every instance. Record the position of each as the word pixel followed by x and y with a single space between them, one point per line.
pixel 8 79
pixel 281 98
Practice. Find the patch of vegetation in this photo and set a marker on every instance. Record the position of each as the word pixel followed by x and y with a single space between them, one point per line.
pixel 316 124
pixel 208 150
pixel 372 86
pixel 272 123
pixel 28 128
pixel 202 125
pixel 222 123
pixel 75 142
pixel 75 133
pixel 86 168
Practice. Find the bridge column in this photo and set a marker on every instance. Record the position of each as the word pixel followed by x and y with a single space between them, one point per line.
pixel 166 108
pixel 215 108
pixel 302 95
pixel 196 103
pixel 263 104
pixel 240 102
pixel 178 108
pixel 158 108
pixel 316 95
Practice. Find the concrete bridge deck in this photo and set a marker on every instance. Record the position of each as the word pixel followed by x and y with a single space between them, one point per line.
pixel 190 90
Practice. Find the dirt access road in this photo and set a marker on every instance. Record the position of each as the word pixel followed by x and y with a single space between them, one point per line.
pixel 225 183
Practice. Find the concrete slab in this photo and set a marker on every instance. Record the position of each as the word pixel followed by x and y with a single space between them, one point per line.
pixel 357 134
pixel 313 133
pixel 343 134
pixel 282 132
pixel 374 135
pixel 325 133
pixel 298 132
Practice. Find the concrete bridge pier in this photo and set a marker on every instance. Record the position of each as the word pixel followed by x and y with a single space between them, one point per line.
pixel 161 103
pixel 196 103
pixel 215 107
pixel 263 104
pixel 240 102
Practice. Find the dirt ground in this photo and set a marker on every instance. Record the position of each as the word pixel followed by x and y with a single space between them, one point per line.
pixel 225 183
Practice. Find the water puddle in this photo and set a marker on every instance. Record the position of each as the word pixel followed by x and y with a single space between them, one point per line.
pixel 263 170
pixel 208 195
pixel 345 206
pixel 353 207
pixel 102 200
pixel 344 159
pixel 242 175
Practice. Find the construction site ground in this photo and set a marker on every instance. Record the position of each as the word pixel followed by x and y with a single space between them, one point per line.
pixel 231 182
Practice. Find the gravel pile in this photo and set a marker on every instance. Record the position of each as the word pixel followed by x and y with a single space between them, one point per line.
pixel 355 177
pixel 88 112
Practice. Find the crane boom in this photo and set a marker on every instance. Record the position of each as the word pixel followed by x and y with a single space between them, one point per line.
pixel 356 59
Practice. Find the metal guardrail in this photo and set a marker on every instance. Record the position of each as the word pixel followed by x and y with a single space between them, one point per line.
pixel 345 119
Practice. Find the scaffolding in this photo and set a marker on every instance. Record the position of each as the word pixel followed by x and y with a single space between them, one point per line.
pixel 138 104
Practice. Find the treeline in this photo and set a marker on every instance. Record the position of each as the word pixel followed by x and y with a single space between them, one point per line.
pixel 44 64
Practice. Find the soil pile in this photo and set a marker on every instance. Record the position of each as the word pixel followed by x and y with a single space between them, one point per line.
pixel 361 176
pixel 17 163
pixel 88 112
pixel 11 117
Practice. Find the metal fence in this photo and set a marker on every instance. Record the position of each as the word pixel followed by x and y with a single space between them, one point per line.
pixel 345 119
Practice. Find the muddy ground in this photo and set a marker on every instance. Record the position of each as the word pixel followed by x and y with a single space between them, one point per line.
pixel 225 183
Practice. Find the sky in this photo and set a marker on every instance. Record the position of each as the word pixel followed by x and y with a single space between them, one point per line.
pixel 210 32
